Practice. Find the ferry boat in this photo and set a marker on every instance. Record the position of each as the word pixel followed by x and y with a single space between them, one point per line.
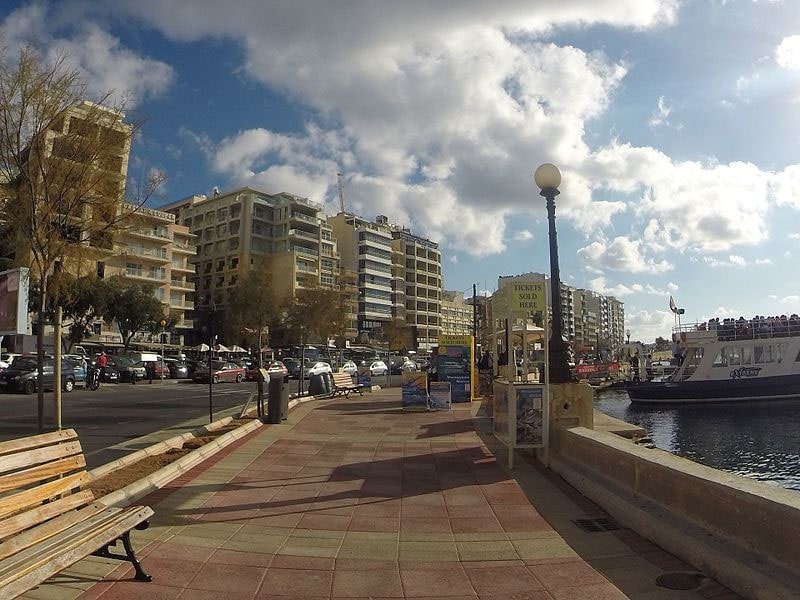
pixel 737 361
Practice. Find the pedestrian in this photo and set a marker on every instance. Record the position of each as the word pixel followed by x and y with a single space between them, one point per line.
pixel 635 367
pixel 102 361
pixel 150 367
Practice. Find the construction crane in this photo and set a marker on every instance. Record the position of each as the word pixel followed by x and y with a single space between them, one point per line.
pixel 341 191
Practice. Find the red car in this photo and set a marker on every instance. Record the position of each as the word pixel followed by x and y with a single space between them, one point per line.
pixel 278 369
pixel 220 371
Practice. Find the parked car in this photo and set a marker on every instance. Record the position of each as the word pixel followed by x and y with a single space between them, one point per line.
pixel 295 370
pixel 378 367
pixel 277 369
pixel 160 369
pixel 220 371
pixel 350 368
pixel 126 370
pixel 192 365
pixel 22 375
pixel 177 368
pixel 317 369
pixel 79 366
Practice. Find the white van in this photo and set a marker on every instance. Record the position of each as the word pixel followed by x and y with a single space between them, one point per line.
pixel 144 357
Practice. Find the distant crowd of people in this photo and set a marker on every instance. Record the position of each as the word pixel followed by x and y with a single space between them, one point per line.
pixel 757 327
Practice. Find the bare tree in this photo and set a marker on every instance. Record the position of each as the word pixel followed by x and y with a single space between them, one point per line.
pixel 63 165
pixel 250 311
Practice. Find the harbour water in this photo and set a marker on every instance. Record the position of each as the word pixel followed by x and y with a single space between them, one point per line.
pixel 757 440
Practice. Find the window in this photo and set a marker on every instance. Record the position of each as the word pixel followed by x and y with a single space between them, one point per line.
pixel 721 359
pixel 222 214
pixel 746 356
pixel 222 229
pixel 234 228
pixel 220 265
pixel 235 262
pixel 159 293
pixel 101 269
pixel 235 210
pixel 233 244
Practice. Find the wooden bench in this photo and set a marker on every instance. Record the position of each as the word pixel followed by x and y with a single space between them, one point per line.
pixel 343 384
pixel 47 522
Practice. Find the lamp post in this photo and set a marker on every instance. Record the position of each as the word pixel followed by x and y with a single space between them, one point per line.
pixel 628 333
pixel 163 324
pixel 548 178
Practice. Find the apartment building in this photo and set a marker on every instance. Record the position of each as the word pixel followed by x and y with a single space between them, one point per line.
pixel 283 232
pixel 420 282
pixel 154 250
pixel 365 248
pixel 457 314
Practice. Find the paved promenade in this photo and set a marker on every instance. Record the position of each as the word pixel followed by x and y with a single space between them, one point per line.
pixel 356 499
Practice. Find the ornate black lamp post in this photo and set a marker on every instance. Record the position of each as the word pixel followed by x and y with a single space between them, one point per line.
pixel 548 178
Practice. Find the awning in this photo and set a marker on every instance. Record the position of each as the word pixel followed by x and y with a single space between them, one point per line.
pixel 237 350
pixel 221 348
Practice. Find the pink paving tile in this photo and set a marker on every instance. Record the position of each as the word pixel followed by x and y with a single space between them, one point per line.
pixel 324 522
pixel 475 525
pixel 556 576
pixel 516 524
pixel 537 595
pixel 303 562
pixel 598 591
pixel 170 550
pixel 503 581
pixel 378 508
pixel 435 582
pixel 360 564
pixel 423 510
pixel 173 572
pixel 137 590
pixel 232 557
pixel 424 525
pixel 296 582
pixel 483 511
pixel 371 523
pixel 228 578
pixel 367 584
pixel 206 595
pixel 289 519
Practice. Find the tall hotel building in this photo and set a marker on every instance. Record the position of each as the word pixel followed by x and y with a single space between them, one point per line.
pixel 246 226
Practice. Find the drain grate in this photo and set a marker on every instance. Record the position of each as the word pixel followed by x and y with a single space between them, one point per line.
pixel 680 581
pixel 596 525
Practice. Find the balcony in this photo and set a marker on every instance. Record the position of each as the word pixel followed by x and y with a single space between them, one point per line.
pixel 298 216
pixel 150 234
pixel 139 274
pixel 158 255
pixel 185 267
pixel 306 269
pixel 304 235
pixel 184 248
pixel 184 304
pixel 181 284
pixel 305 251
pixel 185 324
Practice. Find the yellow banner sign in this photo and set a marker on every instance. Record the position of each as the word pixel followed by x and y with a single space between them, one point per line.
pixel 455 340
pixel 527 297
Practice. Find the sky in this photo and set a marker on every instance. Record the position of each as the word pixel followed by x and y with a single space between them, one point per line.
pixel 674 124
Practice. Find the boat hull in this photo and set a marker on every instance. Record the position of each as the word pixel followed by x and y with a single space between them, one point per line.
pixel 685 392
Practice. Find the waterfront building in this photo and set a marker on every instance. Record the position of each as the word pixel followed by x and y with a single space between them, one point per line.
pixel 457 314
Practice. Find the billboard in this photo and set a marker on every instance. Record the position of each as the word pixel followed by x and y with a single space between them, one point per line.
pixel 14 302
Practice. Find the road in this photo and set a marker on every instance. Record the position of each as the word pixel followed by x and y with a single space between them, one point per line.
pixel 118 419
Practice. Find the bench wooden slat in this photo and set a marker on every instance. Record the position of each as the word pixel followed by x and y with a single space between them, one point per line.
pixel 55 525
pixel 48 463
pixel 20 479
pixel 30 498
pixel 42 561
pixel 343 384
pixel 41 513
pixel 37 441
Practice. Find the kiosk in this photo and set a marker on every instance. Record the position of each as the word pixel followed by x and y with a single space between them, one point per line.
pixel 521 399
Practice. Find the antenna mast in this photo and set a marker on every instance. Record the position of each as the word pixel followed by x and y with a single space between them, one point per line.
pixel 341 191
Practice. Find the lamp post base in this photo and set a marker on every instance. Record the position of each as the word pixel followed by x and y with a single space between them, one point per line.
pixel 560 371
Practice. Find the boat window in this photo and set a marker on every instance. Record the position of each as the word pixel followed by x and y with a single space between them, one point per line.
pixel 780 352
pixel 746 356
pixel 758 355
pixel 734 356
pixel 769 355
pixel 798 357
pixel 721 359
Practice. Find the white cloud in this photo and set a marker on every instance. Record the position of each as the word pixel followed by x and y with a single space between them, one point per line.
pixel 523 235
pixel 453 258
pixel 660 116
pixel 763 261
pixel 794 236
pixel 794 300
pixel 646 326
pixel 105 65
pixel 622 254
pixel 787 54
pixel 600 285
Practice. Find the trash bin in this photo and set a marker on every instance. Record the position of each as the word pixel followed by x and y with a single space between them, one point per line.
pixel 327 380
pixel 316 385
pixel 274 402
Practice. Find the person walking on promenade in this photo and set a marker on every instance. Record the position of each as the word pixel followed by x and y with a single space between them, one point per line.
pixel 635 368
pixel 150 367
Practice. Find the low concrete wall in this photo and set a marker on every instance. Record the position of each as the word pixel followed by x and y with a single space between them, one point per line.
pixel 753 516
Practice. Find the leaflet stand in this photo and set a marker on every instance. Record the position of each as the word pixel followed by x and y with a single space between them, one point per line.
pixel 440 396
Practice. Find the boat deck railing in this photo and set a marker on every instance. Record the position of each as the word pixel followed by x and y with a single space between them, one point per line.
pixel 731 330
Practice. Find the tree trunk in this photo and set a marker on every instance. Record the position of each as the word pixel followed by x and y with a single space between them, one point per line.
pixel 260 381
pixel 40 317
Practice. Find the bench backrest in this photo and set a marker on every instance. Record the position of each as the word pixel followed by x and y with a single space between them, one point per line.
pixel 40 479
pixel 342 380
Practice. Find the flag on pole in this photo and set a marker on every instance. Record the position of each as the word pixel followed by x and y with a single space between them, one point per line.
pixel 672 306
